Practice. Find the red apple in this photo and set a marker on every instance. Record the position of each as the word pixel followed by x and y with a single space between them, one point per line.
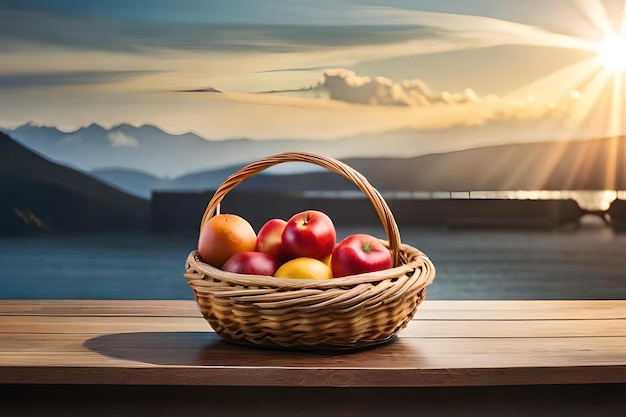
pixel 359 254
pixel 309 234
pixel 253 263
pixel 269 239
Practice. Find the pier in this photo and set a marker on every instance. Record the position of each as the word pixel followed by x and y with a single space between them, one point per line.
pixel 180 212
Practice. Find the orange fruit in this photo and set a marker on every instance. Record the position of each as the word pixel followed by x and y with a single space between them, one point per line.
pixel 224 235
pixel 304 268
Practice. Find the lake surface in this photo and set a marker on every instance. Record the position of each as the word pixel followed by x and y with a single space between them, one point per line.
pixel 585 263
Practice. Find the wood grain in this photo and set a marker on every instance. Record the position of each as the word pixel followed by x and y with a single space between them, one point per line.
pixel 141 308
pixel 448 343
pixel 417 328
pixel 428 310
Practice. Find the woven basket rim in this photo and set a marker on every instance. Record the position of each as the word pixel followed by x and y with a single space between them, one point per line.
pixel 195 262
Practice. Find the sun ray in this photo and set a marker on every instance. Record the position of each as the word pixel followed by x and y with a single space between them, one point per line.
pixel 520 165
pixel 558 84
pixel 591 92
pixel 588 93
pixel 596 14
pixel 622 29
pixel 616 117
pixel 553 160
pixel 610 173
pixel 616 121
pixel 579 91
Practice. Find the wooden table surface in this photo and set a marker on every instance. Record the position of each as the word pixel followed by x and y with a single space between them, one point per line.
pixel 448 343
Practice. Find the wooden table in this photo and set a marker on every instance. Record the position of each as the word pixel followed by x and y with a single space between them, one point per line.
pixel 470 357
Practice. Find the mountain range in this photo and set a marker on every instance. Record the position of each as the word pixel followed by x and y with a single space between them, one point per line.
pixel 141 159
pixel 582 165
pixel 594 164
pixel 153 151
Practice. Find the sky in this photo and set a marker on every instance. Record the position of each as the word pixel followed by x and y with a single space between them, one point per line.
pixel 505 70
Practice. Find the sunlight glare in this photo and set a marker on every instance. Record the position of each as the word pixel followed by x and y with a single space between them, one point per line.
pixel 612 53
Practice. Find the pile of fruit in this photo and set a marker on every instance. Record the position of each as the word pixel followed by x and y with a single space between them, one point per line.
pixel 303 247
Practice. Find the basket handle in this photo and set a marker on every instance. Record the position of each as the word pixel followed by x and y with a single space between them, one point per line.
pixel 338 167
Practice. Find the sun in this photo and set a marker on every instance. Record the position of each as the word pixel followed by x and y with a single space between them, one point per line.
pixel 612 53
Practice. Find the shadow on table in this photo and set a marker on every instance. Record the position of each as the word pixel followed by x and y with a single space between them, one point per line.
pixel 208 349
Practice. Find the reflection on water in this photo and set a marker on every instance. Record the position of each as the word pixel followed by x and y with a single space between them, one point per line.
pixel 586 199
pixel 593 200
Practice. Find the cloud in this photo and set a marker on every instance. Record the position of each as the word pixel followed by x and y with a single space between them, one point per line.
pixel 121 139
pixel 200 90
pixel 277 27
pixel 25 28
pixel 63 78
pixel 344 85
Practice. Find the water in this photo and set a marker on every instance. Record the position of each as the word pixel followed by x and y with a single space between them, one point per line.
pixel 586 263
pixel 122 266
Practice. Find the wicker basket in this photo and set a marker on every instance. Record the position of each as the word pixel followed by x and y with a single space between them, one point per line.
pixel 341 313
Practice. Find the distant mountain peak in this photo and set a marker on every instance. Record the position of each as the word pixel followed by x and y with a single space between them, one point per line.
pixel 33 123
pixel 124 126
pixel 93 127
pixel 32 128
pixel 131 127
